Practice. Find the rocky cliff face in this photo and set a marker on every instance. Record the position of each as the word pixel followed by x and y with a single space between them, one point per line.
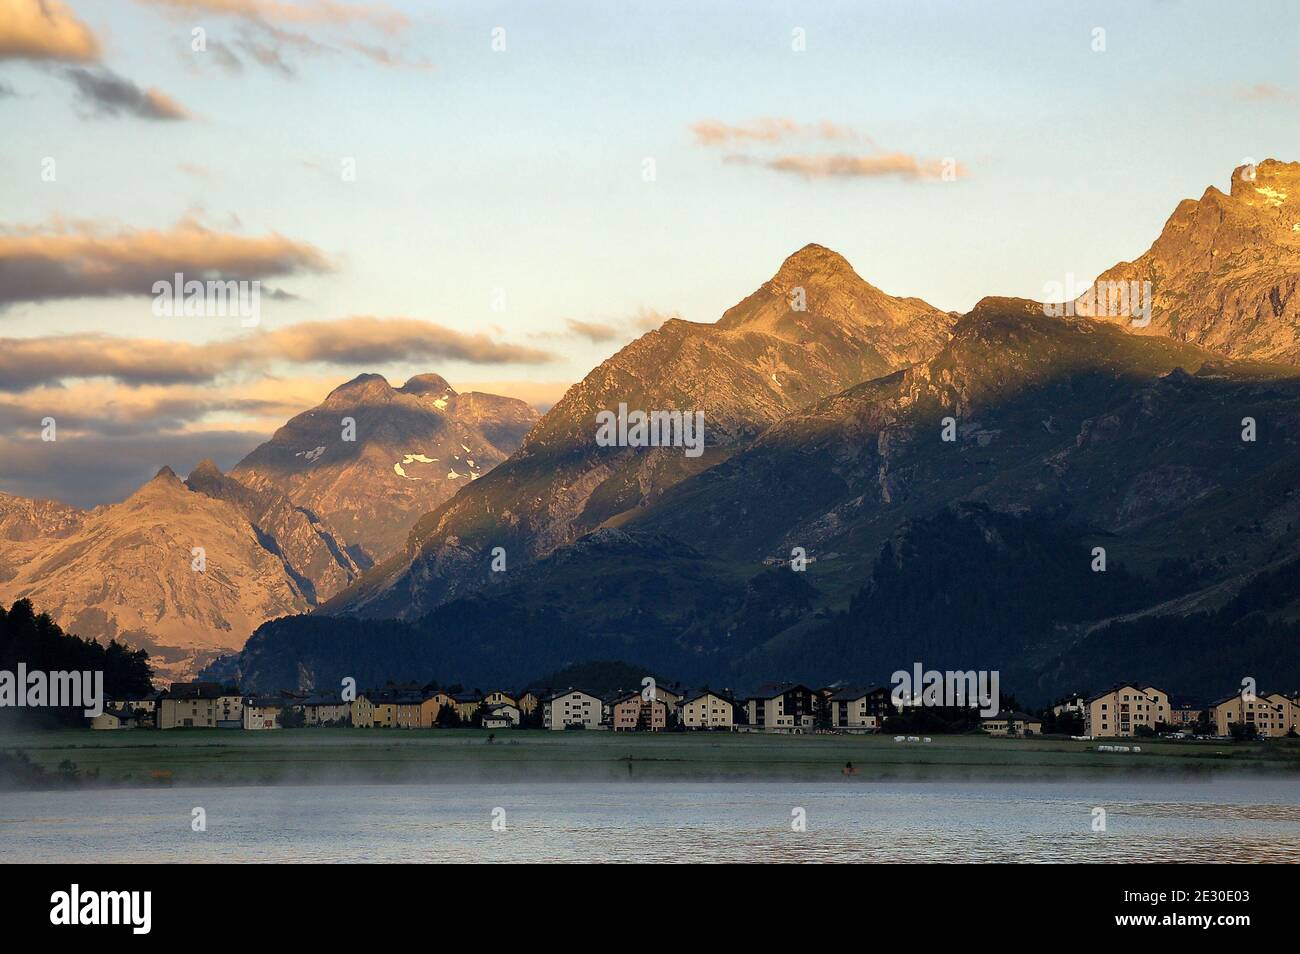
pixel 1225 269
pixel 25 524
pixel 814 329
pixel 131 571
pixel 411 448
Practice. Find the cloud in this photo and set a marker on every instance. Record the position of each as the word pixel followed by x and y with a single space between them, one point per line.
pixel 305 13
pixel 714 132
pixel 112 95
pixel 1264 93
pixel 82 260
pixel 845 166
pixel 111 438
pixel 369 340
pixel 272 33
pixel 593 331
pixel 44 30
pixel 59 469
pixel 29 363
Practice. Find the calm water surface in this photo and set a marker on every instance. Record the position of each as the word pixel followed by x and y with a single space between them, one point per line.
pixel 1227 820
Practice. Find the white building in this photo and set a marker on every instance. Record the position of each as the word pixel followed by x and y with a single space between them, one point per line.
pixel 503 716
pixel 707 710
pixel 572 707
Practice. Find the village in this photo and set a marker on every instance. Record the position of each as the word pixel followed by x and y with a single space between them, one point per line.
pixel 1127 710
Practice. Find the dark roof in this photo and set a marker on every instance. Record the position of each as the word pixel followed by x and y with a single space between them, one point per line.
pixel 773 689
pixel 466 696
pixel 266 702
pixel 195 690
pixel 849 693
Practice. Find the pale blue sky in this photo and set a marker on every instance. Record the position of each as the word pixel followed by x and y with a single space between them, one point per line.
pixel 523 169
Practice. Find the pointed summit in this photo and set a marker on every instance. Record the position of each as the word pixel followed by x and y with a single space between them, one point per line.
pixel 813 262
pixel 165 475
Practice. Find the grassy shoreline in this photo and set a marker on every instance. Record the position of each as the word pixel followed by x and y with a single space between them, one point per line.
pixel 228 757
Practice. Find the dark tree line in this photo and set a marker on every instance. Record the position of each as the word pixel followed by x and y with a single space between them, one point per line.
pixel 37 641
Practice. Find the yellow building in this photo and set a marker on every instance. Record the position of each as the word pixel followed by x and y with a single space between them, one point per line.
pixel 528 702
pixel 467 703
pixel 1012 723
pixel 499 697
pixel 408 712
pixel 1273 715
pixel 116 719
pixel 432 705
pixel 707 710
pixel 190 705
pixel 1122 710
pixel 363 712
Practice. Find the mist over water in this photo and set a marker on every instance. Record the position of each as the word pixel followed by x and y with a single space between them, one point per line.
pixel 1224 820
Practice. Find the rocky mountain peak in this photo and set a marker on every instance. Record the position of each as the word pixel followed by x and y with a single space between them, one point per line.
pixel 1269 185
pixel 813 264
pixel 1224 273
pixel 205 469
pixel 363 389
pixel 430 383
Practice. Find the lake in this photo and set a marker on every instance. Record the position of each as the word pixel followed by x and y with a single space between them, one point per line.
pixel 1222 820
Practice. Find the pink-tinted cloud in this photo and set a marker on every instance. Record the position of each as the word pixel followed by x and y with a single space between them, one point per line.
pixel 1265 93
pixel 768 130
pixel 44 30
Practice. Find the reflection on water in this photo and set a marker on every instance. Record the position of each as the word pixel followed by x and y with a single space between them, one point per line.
pixel 1235 820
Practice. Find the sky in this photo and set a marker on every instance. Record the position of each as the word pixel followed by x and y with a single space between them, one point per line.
pixel 506 193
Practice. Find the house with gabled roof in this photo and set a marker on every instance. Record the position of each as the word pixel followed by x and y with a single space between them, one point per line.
pixel 705 709
pixel 780 707
pixel 633 711
pixel 574 708
pixel 1122 710
pixel 860 709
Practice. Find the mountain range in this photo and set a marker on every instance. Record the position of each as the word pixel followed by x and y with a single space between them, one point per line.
pixel 188 569
pixel 951 479
pixel 1069 433
pixel 812 330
